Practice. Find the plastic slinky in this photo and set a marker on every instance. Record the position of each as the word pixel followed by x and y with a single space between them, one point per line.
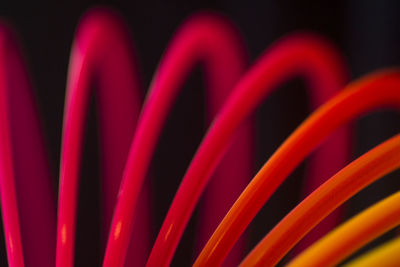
pixel 40 226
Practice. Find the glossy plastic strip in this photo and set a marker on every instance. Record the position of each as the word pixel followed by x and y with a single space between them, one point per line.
pixel 387 255
pixel 101 52
pixel 352 235
pixel 374 91
pixel 204 38
pixel 370 167
pixel 27 199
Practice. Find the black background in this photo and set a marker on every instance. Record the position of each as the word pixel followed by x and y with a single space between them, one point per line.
pixel 366 32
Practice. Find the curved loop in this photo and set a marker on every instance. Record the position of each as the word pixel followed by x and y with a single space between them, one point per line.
pixel 357 98
pixel 387 254
pixel 27 200
pixel 352 235
pixel 204 38
pixel 365 170
pixel 301 54
pixel 101 52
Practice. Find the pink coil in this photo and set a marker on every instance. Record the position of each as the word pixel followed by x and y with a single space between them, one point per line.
pixel 38 234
